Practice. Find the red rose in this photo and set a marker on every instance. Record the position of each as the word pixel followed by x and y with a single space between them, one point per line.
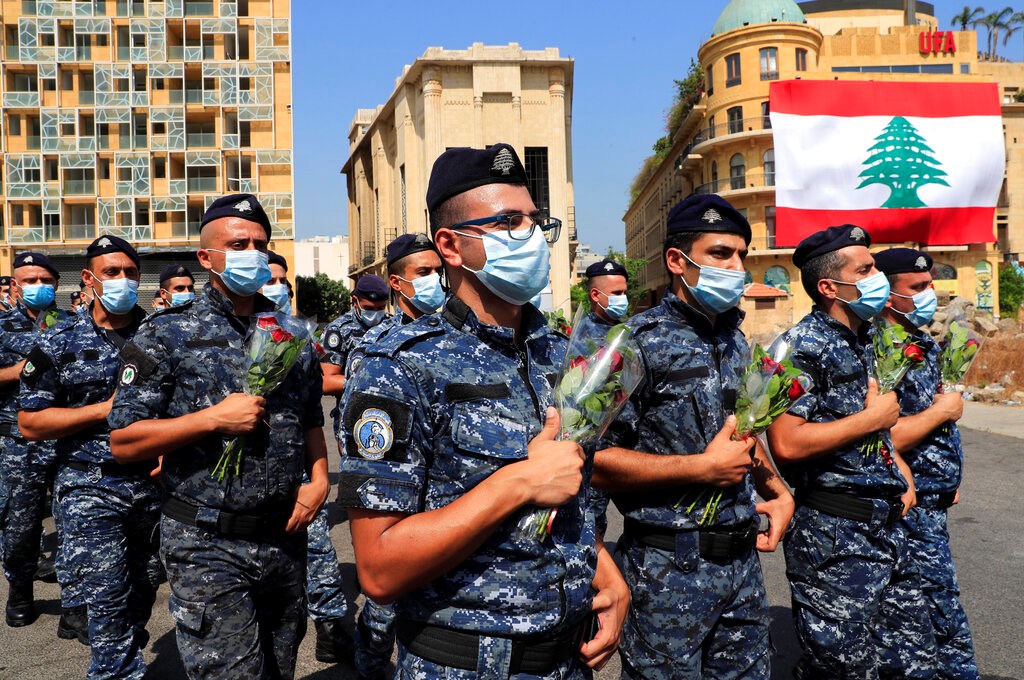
pixel 267 323
pixel 796 390
pixel 580 362
pixel 972 343
pixel 771 367
pixel 565 329
pixel 616 358
pixel 620 396
pixel 914 353
pixel 280 335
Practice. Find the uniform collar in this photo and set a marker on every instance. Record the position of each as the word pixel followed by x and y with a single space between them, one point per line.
pixel 221 304
pixel 851 337
pixel 458 314
pixel 599 321
pixel 729 319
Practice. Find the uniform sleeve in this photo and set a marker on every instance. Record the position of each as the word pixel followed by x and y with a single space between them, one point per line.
pixel 808 361
pixel 313 413
pixel 334 340
pixel 144 382
pixel 40 380
pixel 384 435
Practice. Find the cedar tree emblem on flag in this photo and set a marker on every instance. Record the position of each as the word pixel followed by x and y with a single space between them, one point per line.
pixel 901 160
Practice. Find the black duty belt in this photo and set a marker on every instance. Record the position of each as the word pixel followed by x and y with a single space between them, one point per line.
pixel 9 429
pixel 851 507
pixel 139 469
pixel 459 649
pixel 936 501
pixel 228 523
pixel 722 543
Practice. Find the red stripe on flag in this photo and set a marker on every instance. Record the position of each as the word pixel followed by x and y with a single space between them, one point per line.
pixel 848 98
pixel 927 226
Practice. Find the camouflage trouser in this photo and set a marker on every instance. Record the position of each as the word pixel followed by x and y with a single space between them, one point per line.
pixel 239 605
pixel 375 638
pixel 324 588
pixel 110 546
pixel 847 579
pixel 28 469
pixel 493 662
pixel 928 549
pixel 692 617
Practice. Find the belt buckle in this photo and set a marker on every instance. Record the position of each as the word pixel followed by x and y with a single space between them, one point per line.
pixel 95 473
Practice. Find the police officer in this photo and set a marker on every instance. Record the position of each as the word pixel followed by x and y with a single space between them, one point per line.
pixel 5 293
pixel 28 468
pixel 76 301
pixel 234 548
pixel 177 285
pixel 699 603
pixel 84 299
pixel 845 553
pixel 158 303
pixel 607 282
pixel 448 440
pixel 414 274
pixel 928 439
pixel 325 592
pixel 369 299
pixel 109 512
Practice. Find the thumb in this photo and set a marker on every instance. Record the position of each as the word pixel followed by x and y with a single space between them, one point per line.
pixel 872 387
pixel 551 424
pixel 728 429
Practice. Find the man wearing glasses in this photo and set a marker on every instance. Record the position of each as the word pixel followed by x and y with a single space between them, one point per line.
pixel 466 445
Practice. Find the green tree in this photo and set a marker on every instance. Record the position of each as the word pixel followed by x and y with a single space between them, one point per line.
pixel 968 17
pixel 321 298
pixel 901 160
pixel 1011 291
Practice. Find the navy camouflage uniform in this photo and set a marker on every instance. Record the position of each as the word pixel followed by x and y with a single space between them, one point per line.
pixel 28 468
pixel 436 407
pixel 237 597
pixel 846 575
pixel 341 336
pixel 109 512
pixel 937 465
pixel 691 616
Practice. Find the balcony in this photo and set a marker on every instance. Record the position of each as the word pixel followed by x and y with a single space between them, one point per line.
pixel 22 100
pixel 80 232
pixel 86 97
pixel 749 182
pixel 198 9
pixel 202 184
pixel 26 234
pixel 175 52
pixel 12 52
pixel 33 142
pixel 201 139
pixel 79 187
pixel 733 127
pixel 193 96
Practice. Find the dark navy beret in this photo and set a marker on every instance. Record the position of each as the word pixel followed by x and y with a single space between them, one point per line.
pixel 277 258
pixel 30 258
pixel 174 271
pixel 105 245
pixel 372 287
pixel 75 295
pixel 606 267
pixel 829 240
pixel 245 206
pixel 707 213
pixel 462 168
pixel 407 244
pixel 902 261
pixel 5 280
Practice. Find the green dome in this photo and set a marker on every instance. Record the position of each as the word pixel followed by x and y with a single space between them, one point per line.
pixel 740 13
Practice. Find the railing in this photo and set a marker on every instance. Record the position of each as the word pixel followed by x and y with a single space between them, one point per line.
pixel 198 9
pixel 28 6
pixel 12 52
pixel 201 139
pixel 733 127
pixel 176 96
pixel 32 142
pixel 198 184
pixel 79 187
pixel 80 232
pixel 748 180
pixel 20 99
pixel 176 52
pixel 23 234
pixel 86 97
pixel 766 242
pixel 193 96
pixel 769 75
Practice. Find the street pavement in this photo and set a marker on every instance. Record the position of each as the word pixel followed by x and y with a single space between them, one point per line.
pixel 987 533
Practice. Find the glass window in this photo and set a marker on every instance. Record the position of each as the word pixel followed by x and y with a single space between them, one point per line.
pixel 769 227
pixel 769 63
pixel 535 162
pixel 714 177
pixel 711 127
pixel 735 119
pixel 737 172
pixel 801 60
pixel 709 82
pixel 732 68
pixel 769 168
pixel 766 119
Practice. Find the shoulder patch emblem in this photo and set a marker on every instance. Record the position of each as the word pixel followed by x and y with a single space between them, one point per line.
pixel 373 434
pixel 333 339
pixel 29 368
pixel 711 216
pixel 128 374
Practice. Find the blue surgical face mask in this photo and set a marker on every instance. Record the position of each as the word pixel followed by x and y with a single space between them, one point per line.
pixel 37 296
pixel 371 317
pixel 178 299
pixel 119 295
pixel 427 292
pixel 515 270
pixel 874 291
pixel 925 304
pixel 617 307
pixel 245 271
pixel 278 294
pixel 718 290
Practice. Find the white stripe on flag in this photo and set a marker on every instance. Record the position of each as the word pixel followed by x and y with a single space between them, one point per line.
pixel 818 160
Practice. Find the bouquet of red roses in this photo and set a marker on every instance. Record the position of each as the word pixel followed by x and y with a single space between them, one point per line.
pixel 895 353
pixel 271 349
pixel 594 384
pixel 769 387
pixel 959 350
pixel 48 320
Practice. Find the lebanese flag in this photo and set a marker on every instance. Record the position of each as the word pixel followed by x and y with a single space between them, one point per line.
pixel 919 162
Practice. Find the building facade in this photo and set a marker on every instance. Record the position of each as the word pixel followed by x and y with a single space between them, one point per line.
pixel 130 117
pixel 449 98
pixel 326 255
pixel 725 143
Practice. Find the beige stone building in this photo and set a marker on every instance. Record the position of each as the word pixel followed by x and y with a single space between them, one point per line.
pixel 725 143
pixel 129 117
pixel 447 98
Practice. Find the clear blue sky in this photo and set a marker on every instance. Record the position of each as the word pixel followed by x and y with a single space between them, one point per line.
pixel 348 54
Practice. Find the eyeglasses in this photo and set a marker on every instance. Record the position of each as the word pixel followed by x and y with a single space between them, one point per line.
pixel 519 226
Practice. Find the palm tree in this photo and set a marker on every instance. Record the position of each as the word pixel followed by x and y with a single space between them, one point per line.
pixel 968 17
pixel 1014 24
pixel 988 21
pixel 1000 20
